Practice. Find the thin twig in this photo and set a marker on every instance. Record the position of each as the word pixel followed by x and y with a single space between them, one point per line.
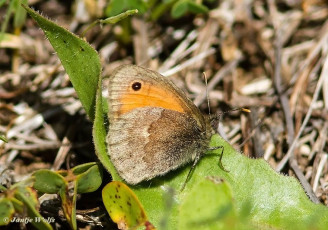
pixel 176 55
pixel 316 171
pixel 314 52
pixel 190 62
pixel 30 147
pixel 322 163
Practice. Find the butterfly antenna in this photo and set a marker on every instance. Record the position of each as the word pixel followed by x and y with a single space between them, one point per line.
pixel 239 109
pixel 215 119
pixel 207 95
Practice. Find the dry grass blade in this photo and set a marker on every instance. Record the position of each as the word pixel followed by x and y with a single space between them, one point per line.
pixel 307 117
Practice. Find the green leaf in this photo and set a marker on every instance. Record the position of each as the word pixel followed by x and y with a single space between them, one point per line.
pixel 2 138
pixel 20 13
pixel 179 9
pixel 79 59
pixel 116 7
pixel 47 181
pixel 276 200
pixel 99 136
pixel 2 2
pixel 119 17
pixel 6 211
pixel 160 9
pixel 80 169
pixel 89 177
pixel 123 206
pixel 182 7
pixel 213 197
pixel 197 8
pixel 5 19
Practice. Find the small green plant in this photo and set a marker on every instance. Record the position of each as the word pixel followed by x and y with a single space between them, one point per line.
pixel 178 8
pixel 18 12
pixel 154 9
pixel 84 178
pixel 19 16
pixel 21 199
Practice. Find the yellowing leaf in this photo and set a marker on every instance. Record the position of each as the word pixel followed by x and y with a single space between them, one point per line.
pixel 123 206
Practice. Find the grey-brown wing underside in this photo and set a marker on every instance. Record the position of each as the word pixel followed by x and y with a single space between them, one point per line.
pixel 150 141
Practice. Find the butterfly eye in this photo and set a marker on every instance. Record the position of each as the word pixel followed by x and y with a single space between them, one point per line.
pixel 136 86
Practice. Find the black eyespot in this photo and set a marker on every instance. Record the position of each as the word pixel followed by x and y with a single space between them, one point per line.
pixel 136 86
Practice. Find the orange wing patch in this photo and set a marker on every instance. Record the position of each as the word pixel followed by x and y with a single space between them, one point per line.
pixel 150 95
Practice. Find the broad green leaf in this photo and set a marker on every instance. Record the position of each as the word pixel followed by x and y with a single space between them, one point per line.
pixel 276 200
pixel 179 9
pixel 210 205
pixel 182 7
pixel 197 8
pixel 6 211
pixel 123 206
pixel 47 181
pixel 90 179
pixel 79 59
pixel 79 169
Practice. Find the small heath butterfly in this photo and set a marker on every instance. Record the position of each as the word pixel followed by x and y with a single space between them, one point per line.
pixel 153 127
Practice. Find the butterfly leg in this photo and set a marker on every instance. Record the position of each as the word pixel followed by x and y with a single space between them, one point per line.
pixel 197 158
pixel 221 156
